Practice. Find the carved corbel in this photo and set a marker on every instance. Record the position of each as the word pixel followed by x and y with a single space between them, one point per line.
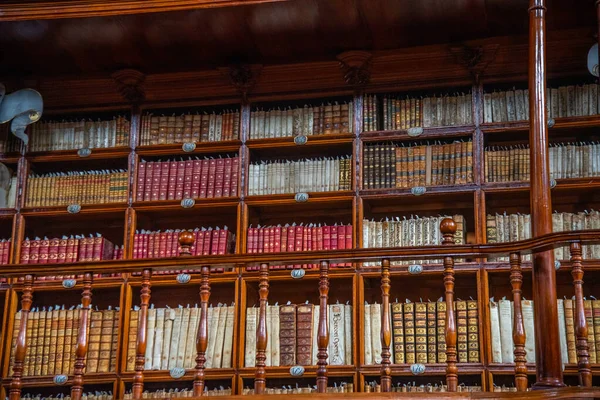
pixel 356 67
pixel 242 77
pixel 475 59
pixel 130 84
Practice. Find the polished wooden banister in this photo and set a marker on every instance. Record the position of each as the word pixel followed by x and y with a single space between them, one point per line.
pixel 138 377
pixel 516 280
pixel 261 331
pixel 448 228
pixel 26 299
pixel 581 328
pixel 82 337
pixel 386 330
pixel 323 328
pixel 202 337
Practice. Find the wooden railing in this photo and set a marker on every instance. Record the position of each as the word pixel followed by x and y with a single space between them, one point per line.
pixel 447 250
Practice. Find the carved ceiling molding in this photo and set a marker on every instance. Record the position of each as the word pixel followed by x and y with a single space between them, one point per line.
pixel 356 67
pixel 475 59
pixel 130 84
pixel 242 77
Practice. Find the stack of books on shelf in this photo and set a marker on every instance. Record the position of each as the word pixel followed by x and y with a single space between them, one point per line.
pixel 567 160
pixel 76 187
pixel 297 389
pixel 4 251
pixel 176 393
pixel 505 388
pixel 192 178
pixel 8 187
pixel 161 129
pixel 84 396
pixel 405 232
pixel 419 332
pixel 69 249
pixel 501 326
pixel 51 340
pixel 392 112
pixel 292 334
pixel 566 101
pixel 171 337
pixel 389 165
pixel 306 121
pixel 413 387
pixel 288 238
pixel 164 244
pixel 300 176
pixel 103 341
pixel 80 134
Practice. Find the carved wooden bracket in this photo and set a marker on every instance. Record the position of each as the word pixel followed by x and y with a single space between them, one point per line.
pixel 356 67
pixel 243 77
pixel 130 85
pixel 475 59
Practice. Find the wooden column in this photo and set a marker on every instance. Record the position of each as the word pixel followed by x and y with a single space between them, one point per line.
pixel 448 228
pixel 21 350
pixel 82 337
pixel 202 338
pixel 261 331
pixel 386 329
pixel 516 280
pixel 547 346
pixel 138 377
pixel 323 332
pixel 581 329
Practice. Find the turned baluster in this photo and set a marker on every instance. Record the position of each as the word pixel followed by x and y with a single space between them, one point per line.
pixel 323 332
pixel 186 241
pixel 261 331
pixel 448 228
pixel 21 350
pixel 386 333
pixel 202 338
pixel 581 329
pixel 516 280
pixel 138 377
pixel 82 337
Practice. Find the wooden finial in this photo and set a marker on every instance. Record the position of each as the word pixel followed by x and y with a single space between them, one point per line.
pixel 356 67
pixel 186 241
pixel 448 228
pixel 130 85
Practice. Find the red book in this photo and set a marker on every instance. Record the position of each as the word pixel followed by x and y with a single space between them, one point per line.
pixel 187 178
pixel 162 244
pixel 261 240
pixel 196 175
pixel 25 247
pixel 70 249
pixel 223 241
pixel 299 245
pixel 62 250
pixel 172 186
pixel 283 240
pixel 153 241
pixel 53 250
pixel 250 248
pixel 235 166
pixel 204 178
pixel 334 235
pixel 169 243
pixel 175 244
pixel 198 242
pixel 219 177
pixel 141 181
pixel 156 174
pixel 103 249
pixel 136 245
pixel 348 241
pixel 212 171
pixel 327 237
pixel 89 249
pixel 34 251
pixel 75 248
pixel 164 180
pixel 82 250
pixel 2 251
pixel 341 236
pixel 291 239
pixel 206 246
pixel 44 251
pixel 319 236
pixel 180 180
pixel 144 242
pixel 305 242
pixel 214 242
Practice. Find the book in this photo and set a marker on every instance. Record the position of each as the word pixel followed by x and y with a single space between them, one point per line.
pixel 528 317
pixel 132 342
pixel 151 323
pixel 219 338
pixel 304 334
pixel 420 332
pixel 287 335
pixel 227 358
pixel 106 340
pixel 368 345
pixel 496 345
pixel 250 347
pixel 562 331
pixel 570 330
pixel 337 336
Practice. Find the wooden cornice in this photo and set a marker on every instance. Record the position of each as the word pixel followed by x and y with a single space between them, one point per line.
pixel 23 10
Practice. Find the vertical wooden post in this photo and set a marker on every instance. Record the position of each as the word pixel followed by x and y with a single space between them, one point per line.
pixel 448 228
pixel 323 332
pixel 138 377
pixel 202 338
pixel 386 329
pixel 581 329
pixel 516 280
pixel 260 381
pixel 21 350
pixel 82 337
pixel 547 346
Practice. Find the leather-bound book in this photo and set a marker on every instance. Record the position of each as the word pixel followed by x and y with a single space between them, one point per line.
pixel 213 318
pixel 328 119
pixel 211 179
pixel 441 331
pixel 421 332
pixel 179 179
pixel 175 338
pixel 132 339
pixel 461 330
pixel 589 318
pixel 164 180
pixel 196 128
pixel 169 319
pixel 93 354
pixel 177 136
pixel 45 370
pixel 53 245
pixel 227 358
pixel 227 177
pixel 171 126
pixel 115 340
pixel 336 119
pixel 187 178
pixel 25 251
pixel 431 332
pixel 196 176
pixel 53 341
pixel 287 334
pixel 15 335
pixel 190 344
pixel 304 334
pixel 69 342
pixel 204 170
pixel 337 342
pixel 398 333
pixel 236 125
pixel 250 347
pixel 235 166
pixel 596 320
pixel 219 338
pixel 38 352
pixel 151 323
pixel 148 178
pixel 44 251
pixel 188 124
pixel 106 340
pixel 204 128
pixel 60 341
pixel 473 331
pixel 219 177
pixel 409 333
pixel 570 328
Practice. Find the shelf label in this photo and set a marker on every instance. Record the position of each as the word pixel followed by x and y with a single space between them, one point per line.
pixel 416 131
pixel 60 379
pixel 183 278
pixel 300 140
pixel 297 273
pixel 418 190
pixel 73 208
pixel 556 265
pixel 551 122
pixel 85 152
pixel 301 197
pixel 188 147
pixel 69 283
pixel 297 370
pixel 552 183
pixel 177 373
pixel 415 269
pixel 188 203
pixel 417 369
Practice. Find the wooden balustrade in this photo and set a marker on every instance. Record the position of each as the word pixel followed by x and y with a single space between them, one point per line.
pixel 261 331
pixel 82 337
pixel 138 377
pixel 202 337
pixel 323 330
pixel 516 280
pixel 26 299
pixel 386 330
pixel 581 329
pixel 448 228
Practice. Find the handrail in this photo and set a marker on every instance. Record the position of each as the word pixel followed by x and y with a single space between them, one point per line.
pixel 540 243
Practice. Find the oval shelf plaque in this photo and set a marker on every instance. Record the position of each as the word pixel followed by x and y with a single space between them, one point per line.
pixel 301 197
pixel 69 283
pixel 85 152
pixel 183 278
pixel 177 373
pixel 300 140
pixel 297 273
pixel 416 131
pixel 73 208
pixel 418 190
pixel 415 269
pixel 188 147
pixel 417 369
pixel 188 203
pixel 60 379
pixel 297 370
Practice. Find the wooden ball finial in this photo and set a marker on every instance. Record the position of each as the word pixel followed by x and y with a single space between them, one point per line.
pixel 186 241
pixel 448 228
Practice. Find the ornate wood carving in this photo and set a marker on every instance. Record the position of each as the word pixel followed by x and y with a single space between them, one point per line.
pixel 386 329
pixel 581 329
pixel 186 241
pixel 138 377
pixel 448 228
pixel 356 67
pixel 475 59
pixel 130 84
pixel 261 331
pixel 202 338
pixel 323 332
pixel 243 77
pixel 516 280
pixel 82 337
pixel 26 299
